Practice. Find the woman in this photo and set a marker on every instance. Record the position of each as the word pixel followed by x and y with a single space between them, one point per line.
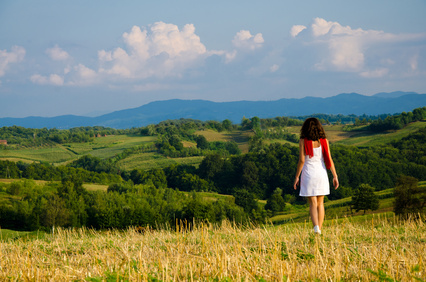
pixel 314 160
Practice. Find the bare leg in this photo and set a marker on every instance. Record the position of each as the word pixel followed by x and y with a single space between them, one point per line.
pixel 313 210
pixel 320 210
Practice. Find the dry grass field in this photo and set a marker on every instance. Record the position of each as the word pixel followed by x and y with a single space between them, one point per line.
pixel 374 249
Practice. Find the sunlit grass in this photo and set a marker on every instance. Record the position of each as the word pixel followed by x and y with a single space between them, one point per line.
pixel 364 138
pixel 102 147
pixel 148 161
pixel 44 154
pixel 238 136
pixel 365 250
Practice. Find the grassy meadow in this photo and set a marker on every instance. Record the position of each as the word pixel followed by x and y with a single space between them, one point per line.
pixel 373 248
pixel 376 246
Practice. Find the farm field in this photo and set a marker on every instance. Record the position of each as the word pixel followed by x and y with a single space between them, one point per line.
pixel 102 147
pixel 368 248
pixel 154 160
pixel 109 146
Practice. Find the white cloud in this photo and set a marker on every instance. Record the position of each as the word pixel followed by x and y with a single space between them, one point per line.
pixel 342 48
pixel 53 79
pixel 296 29
pixel 230 56
pixel 244 40
pixel 16 55
pixel 83 76
pixel 57 54
pixel 160 51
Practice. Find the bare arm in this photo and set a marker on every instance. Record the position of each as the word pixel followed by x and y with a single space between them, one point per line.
pixel 333 169
pixel 300 163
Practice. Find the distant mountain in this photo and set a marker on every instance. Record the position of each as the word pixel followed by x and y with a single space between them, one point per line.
pixel 393 94
pixel 155 112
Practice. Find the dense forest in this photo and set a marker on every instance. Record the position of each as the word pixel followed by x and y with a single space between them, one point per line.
pixel 157 196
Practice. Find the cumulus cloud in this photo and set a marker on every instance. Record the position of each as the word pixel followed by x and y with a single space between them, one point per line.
pixel 244 40
pixel 16 55
pixel 53 79
pixel 57 54
pixel 159 51
pixel 296 29
pixel 83 76
pixel 343 48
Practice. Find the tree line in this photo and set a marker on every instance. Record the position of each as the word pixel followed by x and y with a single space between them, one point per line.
pixel 399 121
pixel 28 137
pixel 68 204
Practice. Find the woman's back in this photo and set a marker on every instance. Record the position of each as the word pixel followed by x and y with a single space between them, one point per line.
pixel 314 178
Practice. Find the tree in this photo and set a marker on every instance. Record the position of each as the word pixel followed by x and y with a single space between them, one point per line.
pixel 55 212
pixel 202 142
pixel 246 200
pixel 210 165
pixel 365 199
pixel 276 202
pixel 174 141
pixel 409 198
pixel 227 124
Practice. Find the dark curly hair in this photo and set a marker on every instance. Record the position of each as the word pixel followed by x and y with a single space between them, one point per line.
pixel 312 130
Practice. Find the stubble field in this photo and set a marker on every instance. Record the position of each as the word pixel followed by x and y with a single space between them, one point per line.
pixel 374 249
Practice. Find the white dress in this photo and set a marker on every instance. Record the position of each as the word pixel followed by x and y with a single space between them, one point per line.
pixel 314 178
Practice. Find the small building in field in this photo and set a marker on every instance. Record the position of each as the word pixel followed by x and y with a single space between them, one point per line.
pixel 3 142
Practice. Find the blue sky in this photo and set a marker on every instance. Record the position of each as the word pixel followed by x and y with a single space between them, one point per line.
pixel 93 57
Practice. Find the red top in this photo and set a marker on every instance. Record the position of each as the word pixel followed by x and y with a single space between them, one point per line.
pixel 309 151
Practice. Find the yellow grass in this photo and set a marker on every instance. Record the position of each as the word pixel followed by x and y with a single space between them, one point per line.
pixel 347 251
pixel 10 180
pixel 95 187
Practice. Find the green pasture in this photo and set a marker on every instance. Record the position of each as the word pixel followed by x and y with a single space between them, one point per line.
pixel 238 136
pixel 109 146
pixel 366 138
pixel 7 234
pixel 213 196
pixel 56 154
pixel 146 161
pixel 95 187
pixel 102 147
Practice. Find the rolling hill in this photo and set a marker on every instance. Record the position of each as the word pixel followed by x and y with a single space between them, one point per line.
pixel 155 112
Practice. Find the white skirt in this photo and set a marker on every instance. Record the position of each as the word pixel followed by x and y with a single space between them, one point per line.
pixel 314 178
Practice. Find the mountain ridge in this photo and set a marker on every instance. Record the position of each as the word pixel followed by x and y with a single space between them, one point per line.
pixel 157 111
